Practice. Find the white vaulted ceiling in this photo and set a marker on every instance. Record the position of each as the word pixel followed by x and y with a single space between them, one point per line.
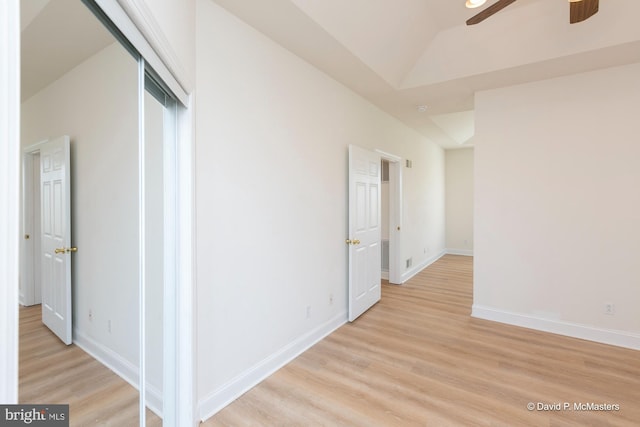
pixel 401 54
pixel 398 54
pixel 57 35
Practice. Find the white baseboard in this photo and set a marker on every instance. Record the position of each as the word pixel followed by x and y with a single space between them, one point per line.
pixel 465 252
pixel 236 387
pixel 575 330
pixel 120 366
pixel 418 268
pixel 384 275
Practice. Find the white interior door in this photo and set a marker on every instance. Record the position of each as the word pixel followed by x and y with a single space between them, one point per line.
pixel 364 230
pixel 56 237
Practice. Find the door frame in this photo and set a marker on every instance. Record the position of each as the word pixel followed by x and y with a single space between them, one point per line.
pixel 9 197
pixel 30 190
pixel 395 215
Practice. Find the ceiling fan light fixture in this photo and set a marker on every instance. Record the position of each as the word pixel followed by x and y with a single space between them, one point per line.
pixel 472 4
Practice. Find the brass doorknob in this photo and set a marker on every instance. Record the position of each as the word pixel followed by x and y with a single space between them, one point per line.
pixel 356 242
pixel 348 241
pixel 67 250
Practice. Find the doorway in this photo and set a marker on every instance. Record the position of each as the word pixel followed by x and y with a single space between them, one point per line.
pixel 366 222
pixel 47 234
pixel 391 217
pixel 30 279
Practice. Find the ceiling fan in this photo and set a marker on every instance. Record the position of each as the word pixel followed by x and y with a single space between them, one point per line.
pixel 579 10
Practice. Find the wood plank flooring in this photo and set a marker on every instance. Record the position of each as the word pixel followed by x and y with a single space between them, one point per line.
pixel 417 358
pixel 51 372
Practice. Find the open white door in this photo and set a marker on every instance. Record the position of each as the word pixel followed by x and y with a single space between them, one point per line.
pixel 56 237
pixel 364 230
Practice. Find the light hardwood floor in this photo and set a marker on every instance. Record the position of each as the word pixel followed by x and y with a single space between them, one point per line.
pixel 51 372
pixel 417 358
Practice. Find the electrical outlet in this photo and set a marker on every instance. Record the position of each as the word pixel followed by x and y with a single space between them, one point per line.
pixel 609 308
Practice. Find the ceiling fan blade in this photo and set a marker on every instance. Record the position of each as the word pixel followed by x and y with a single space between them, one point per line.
pixel 494 8
pixel 581 10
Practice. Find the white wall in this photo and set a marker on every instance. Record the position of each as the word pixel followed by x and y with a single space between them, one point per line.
pixel 96 105
pixel 271 186
pixel 557 203
pixel 459 200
